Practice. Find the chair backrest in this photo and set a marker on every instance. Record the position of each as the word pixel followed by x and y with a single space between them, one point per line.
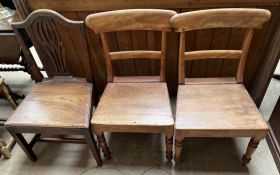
pixel 218 18
pixel 50 33
pixel 132 19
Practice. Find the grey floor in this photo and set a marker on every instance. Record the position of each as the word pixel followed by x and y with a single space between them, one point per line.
pixel 135 154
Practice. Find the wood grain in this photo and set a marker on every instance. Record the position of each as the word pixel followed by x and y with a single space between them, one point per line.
pixel 46 106
pixel 216 18
pixel 227 114
pixel 214 54
pixel 130 107
pixel 134 19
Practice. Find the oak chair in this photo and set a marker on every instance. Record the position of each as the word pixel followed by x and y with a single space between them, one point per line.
pixel 5 147
pixel 61 104
pixel 217 107
pixel 136 103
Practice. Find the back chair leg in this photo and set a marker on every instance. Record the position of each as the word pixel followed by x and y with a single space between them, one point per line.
pixel 103 144
pixel 24 145
pixel 169 146
pixel 178 148
pixel 92 145
pixel 251 148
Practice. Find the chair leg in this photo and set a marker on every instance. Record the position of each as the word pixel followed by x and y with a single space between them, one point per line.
pixel 103 144
pixel 92 144
pixel 8 96
pixel 24 145
pixel 4 151
pixel 178 148
pixel 251 148
pixel 169 146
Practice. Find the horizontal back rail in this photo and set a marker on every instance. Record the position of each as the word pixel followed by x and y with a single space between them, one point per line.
pixel 133 19
pixel 220 18
pixel 213 54
pixel 135 54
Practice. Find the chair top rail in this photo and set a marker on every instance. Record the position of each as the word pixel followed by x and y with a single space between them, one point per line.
pixel 131 19
pixel 220 18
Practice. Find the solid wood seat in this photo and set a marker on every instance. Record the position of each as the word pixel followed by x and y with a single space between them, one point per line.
pixel 54 104
pixel 217 107
pixel 133 107
pixel 134 103
pixel 214 110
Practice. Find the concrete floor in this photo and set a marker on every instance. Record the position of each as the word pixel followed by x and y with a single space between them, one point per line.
pixel 134 154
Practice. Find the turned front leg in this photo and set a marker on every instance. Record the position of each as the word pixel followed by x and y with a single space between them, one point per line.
pixel 169 146
pixel 178 148
pixel 103 144
pixel 251 148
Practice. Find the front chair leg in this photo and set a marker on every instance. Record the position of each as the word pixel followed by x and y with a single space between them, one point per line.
pixel 103 144
pixel 92 145
pixel 24 145
pixel 251 148
pixel 178 148
pixel 169 146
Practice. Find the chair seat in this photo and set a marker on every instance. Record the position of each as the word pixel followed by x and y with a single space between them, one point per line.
pixel 133 105
pixel 223 107
pixel 54 104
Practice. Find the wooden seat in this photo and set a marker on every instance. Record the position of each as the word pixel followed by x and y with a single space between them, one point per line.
pixel 212 110
pixel 133 104
pixel 217 107
pixel 62 103
pixel 54 105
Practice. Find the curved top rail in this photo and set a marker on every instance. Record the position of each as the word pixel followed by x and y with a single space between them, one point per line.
pixel 131 19
pixel 219 18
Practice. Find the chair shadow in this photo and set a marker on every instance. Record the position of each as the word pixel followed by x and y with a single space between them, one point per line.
pixel 62 154
pixel 210 155
pixel 137 149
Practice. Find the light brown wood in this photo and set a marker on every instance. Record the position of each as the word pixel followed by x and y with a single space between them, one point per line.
pixel 178 148
pixel 262 58
pixel 214 54
pixel 135 54
pixel 252 146
pixel 134 19
pixel 217 110
pixel 245 50
pixel 217 107
pixel 181 66
pixel 107 58
pixel 225 80
pixel 136 79
pixel 216 18
pixel 131 107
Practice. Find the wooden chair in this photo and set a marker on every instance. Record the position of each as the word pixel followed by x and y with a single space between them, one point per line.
pixel 60 104
pixel 5 147
pixel 137 103
pixel 217 107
